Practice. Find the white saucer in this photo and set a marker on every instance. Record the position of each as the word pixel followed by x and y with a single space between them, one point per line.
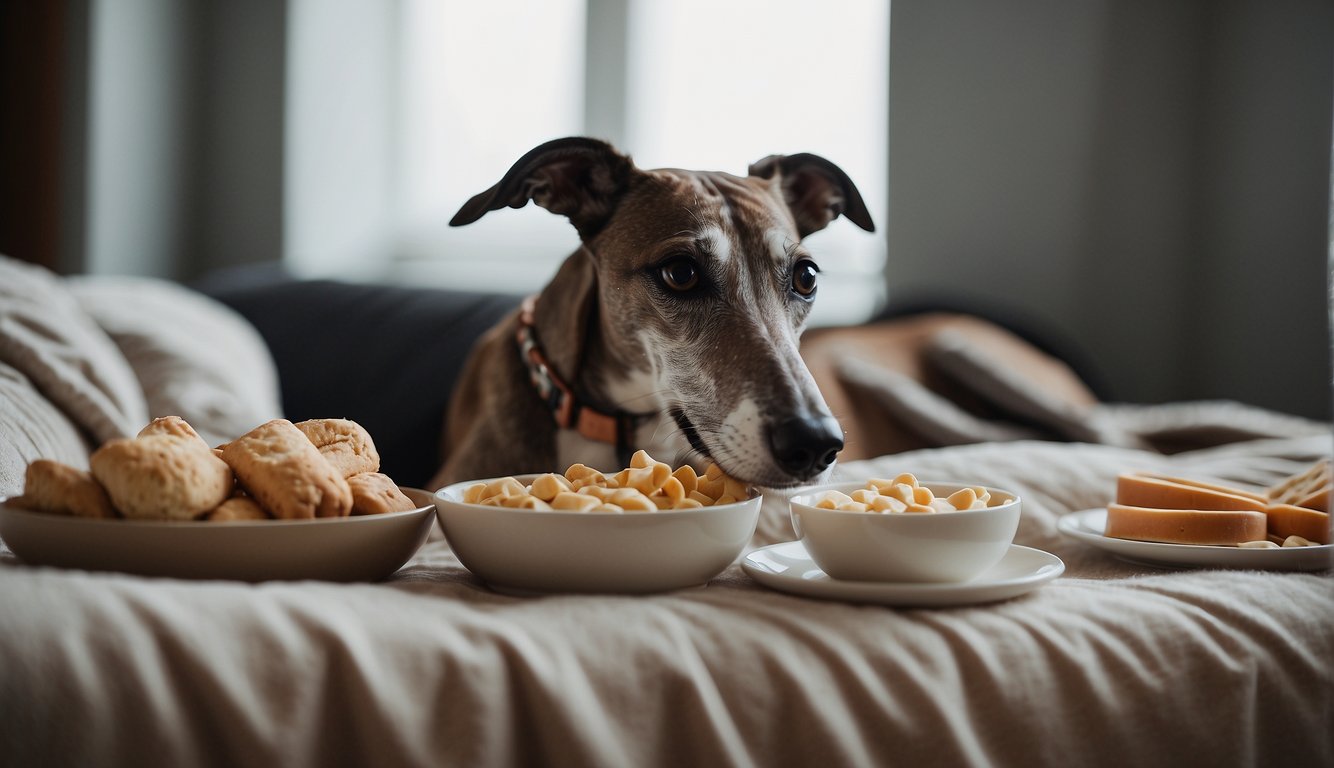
pixel 1088 525
pixel 787 568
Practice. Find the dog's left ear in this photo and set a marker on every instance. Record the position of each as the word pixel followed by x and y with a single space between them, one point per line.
pixel 816 191
pixel 579 178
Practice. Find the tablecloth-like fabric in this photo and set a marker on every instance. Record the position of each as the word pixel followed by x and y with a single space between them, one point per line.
pixel 1112 664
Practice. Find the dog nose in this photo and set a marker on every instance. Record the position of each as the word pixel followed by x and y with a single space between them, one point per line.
pixel 806 446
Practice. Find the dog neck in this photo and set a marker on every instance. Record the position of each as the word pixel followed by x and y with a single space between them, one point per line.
pixel 614 427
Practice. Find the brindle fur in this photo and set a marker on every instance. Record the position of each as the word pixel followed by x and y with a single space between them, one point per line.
pixel 727 358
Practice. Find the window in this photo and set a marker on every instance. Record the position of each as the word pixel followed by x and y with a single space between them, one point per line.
pixel 720 85
pixel 707 85
pixel 484 82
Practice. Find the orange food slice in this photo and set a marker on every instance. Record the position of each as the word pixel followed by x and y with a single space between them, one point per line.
pixel 1156 492
pixel 1318 500
pixel 1184 526
pixel 1289 519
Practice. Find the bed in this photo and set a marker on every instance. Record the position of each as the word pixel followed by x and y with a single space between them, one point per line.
pixel 1113 663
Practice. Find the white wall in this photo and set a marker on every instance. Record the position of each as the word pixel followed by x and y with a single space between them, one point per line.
pixel 1150 178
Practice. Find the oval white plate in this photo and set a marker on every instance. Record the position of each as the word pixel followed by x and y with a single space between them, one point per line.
pixel 361 548
pixel 1088 526
pixel 788 568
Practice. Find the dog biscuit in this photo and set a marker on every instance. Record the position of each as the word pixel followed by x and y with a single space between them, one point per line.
pixel 49 486
pixel 238 507
pixel 161 477
pixel 173 426
pixel 283 470
pixel 344 444
pixel 374 494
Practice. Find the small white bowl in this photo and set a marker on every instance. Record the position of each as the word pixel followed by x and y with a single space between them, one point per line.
pixel 526 551
pixel 905 547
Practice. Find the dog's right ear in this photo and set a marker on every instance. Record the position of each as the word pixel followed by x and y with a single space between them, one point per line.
pixel 576 177
pixel 816 191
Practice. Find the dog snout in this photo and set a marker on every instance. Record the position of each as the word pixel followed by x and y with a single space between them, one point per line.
pixel 805 446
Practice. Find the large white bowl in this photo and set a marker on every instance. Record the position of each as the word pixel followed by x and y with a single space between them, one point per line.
pixel 905 547
pixel 360 548
pixel 521 550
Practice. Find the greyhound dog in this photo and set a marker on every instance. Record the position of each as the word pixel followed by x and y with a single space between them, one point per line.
pixel 673 328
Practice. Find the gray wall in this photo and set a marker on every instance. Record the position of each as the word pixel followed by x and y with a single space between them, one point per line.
pixel 1152 178
pixel 240 55
pixel 184 138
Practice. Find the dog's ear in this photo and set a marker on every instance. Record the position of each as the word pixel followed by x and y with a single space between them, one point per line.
pixel 576 177
pixel 816 191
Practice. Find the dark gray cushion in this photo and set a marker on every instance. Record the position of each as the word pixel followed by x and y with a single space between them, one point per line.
pixel 384 356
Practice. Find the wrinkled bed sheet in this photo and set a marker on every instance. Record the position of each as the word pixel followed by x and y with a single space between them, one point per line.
pixel 1111 664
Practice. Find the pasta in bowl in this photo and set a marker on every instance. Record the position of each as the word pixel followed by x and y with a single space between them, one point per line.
pixel 643 529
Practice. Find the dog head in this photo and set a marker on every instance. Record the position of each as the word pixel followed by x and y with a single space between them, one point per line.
pixel 689 296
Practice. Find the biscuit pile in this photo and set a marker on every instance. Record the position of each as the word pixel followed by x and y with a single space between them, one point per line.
pixel 645 486
pixel 316 468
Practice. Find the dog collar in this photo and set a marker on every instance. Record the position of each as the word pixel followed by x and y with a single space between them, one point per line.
pixel 615 428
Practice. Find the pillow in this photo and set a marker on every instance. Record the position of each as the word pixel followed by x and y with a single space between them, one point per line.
pixel 935 379
pixel 194 357
pixel 66 357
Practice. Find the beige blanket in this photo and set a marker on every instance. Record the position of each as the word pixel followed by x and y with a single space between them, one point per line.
pixel 1112 664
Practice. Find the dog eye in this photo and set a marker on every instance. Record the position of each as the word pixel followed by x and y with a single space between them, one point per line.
pixel 679 274
pixel 803 277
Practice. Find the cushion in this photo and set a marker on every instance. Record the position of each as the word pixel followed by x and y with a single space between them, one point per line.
pixel 193 357
pixel 935 379
pixel 384 356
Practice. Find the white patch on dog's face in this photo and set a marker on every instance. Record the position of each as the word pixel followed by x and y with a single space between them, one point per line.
pixel 742 438
pixel 779 241
pixel 717 242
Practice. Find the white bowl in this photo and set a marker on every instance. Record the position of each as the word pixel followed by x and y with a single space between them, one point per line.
pixel 905 547
pixel 523 550
pixel 360 548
